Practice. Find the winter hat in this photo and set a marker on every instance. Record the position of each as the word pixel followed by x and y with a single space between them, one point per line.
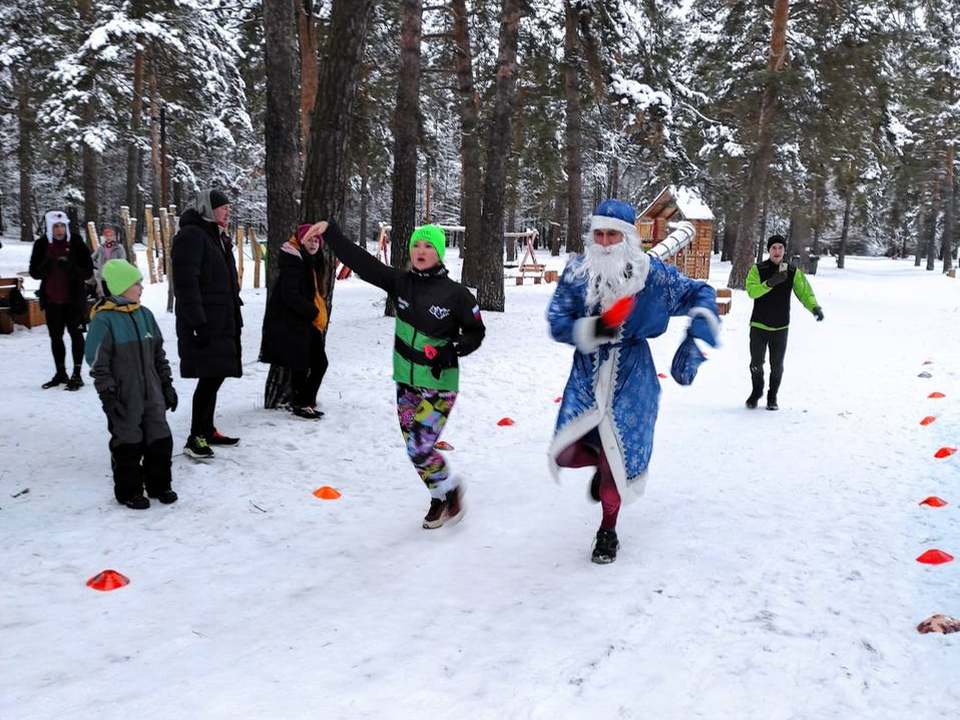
pixel 56 216
pixel 434 235
pixel 774 239
pixel 615 215
pixel 120 276
pixel 208 201
pixel 305 231
pixel 217 199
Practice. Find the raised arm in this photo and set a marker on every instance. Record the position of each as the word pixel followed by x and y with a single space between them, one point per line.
pixel 359 260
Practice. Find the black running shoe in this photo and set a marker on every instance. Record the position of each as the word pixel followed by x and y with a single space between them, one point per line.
pixel 772 402
pixel 219 438
pixel 197 448
pixel 59 379
pixel 75 382
pixel 306 412
pixel 605 549
pixel 167 497
pixel 434 516
pixel 453 512
pixel 752 402
pixel 137 503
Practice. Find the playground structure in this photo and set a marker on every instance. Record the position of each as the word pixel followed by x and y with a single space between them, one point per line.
pixel 680 204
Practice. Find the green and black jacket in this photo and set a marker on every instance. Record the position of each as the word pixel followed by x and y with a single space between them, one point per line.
pixel 771 307
pixel 431 309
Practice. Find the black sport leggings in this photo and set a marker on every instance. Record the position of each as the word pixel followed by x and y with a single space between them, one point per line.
pixel 60 317
pixel 305 383
pixel 204 406
pixel 759 340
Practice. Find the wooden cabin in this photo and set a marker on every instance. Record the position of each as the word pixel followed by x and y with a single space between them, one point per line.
pixel 676 203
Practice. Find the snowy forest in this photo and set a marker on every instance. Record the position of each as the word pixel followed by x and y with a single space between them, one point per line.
pixel 831 122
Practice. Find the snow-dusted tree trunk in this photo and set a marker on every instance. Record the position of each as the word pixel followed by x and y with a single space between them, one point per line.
pixel 760 163
pixel 282 126
pixel 844 233
pixel 468 106
pixel 327 164
pixel 403 211
pixel 308 74
pixel 490 292
pixel 948 212
pixel 572 133
pixel 91 155
pixel 932 230
pixel 133 147
pixel 25 157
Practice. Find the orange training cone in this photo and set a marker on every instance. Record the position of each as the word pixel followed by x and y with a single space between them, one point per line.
pixel 326 493
pixel 944 452
pixel 443 445
pixel 504 422
pixel 933 501
pixel 108 580
pixel 936 395
pixel 935 557
pixel 927 420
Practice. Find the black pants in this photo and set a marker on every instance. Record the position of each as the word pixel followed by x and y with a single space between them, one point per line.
pixel 60 317
pixel 204 406
pixel 305 383
pixel 142 465
pixel 759 341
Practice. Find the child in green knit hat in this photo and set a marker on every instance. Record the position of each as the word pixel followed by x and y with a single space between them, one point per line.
pixel 132 377
pixel 438 322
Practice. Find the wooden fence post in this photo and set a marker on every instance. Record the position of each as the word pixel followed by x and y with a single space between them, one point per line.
pixel 148 219
pixel 241 234
pixel 252 237
pixel 92 239
pixel 158 242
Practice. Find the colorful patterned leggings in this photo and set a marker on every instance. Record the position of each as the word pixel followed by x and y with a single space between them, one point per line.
pixel 423 412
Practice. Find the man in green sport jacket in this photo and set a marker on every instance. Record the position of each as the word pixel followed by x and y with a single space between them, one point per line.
pixel 769 285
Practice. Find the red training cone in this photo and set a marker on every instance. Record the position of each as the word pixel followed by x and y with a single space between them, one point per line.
pixel 936 395
pixel 618 312
pixel 927 420
pixel 661 376
pixel 558 398
pixel 928 362
pixel 326 493
pixel 944 452
pixel 504 422
pixel 443 445
pixel 933 501
pixel 108 580
pixel 935 557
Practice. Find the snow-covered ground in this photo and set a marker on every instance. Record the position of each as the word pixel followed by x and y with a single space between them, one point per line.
pixel 769 572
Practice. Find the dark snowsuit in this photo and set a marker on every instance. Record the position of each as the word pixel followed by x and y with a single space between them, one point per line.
pixel 432 310
pixel 208 303
pixel 132 376
pixel 63 292
pixel 290 337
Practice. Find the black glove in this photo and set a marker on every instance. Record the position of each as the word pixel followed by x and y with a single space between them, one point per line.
pixel 777 279
pixel 201 335
pixel 600 330
pixel 445 358
pixel 170 398
pixel 818 313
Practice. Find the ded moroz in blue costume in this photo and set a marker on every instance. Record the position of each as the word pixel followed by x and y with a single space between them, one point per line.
pixel 609 406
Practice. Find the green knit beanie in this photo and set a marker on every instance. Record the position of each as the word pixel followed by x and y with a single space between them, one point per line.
pixel 433 235
pixel 120 276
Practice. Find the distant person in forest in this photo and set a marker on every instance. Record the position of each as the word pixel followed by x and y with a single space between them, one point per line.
pixel 208 314
pixel 295 323
pixel 438 322
pixel 61 262
pixel 609 302
pixel 769 285
pixel 110 249
pixel 132 377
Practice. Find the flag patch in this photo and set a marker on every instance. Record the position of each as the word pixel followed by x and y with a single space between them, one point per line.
pixel 476 312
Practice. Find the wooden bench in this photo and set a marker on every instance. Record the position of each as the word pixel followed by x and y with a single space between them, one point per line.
pixel 724 300
pixel 531 270
pixel 33 317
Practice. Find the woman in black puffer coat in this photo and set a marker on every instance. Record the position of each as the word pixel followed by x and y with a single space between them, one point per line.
pixel 295 323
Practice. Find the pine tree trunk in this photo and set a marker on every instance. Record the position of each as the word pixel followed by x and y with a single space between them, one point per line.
pixel 555 227
pixel 325 171
pixel 156 173
pixel 760 164
pixel 948 212
pixel 572 134
pixel 307 45
pixel 519 137
pixel 25 127
pixel 761 245
pixel 817 196
pixel 614 179
pixel 468 107
pixel 932 229
pixel 490 291
pixel 403 211
pixel 921 224
pixel 133 148
pixel 282 127
pixel 364 198
pixel 91 156
pixel 847 207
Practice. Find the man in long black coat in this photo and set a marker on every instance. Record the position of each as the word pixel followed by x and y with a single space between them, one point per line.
pixel 208 313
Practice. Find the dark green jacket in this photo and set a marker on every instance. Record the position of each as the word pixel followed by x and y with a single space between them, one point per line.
pixel 771 307
pixel 127 362
pixel 431 309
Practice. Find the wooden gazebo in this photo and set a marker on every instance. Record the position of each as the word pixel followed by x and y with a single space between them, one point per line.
pixel 676 203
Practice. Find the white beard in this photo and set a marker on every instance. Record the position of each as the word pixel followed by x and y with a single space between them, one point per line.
pixel 613 272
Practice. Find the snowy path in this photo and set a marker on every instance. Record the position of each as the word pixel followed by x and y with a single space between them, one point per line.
pixel 768 573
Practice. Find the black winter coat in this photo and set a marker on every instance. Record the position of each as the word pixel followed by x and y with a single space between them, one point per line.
pixel 288 322
pixel 207 293
pixel 79 268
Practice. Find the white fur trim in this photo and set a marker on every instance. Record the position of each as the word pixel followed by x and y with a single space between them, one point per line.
pixel 712 320
pixel 602 222
pixel 53 217
pixel 584 336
